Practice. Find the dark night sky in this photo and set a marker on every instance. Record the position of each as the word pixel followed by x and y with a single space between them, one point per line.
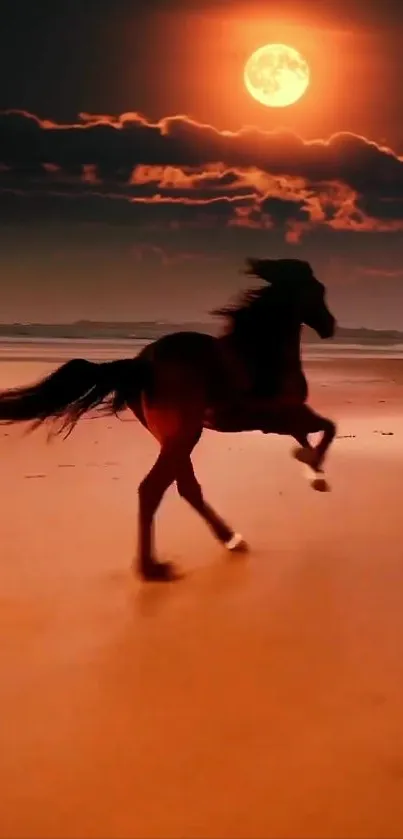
pixel 123 194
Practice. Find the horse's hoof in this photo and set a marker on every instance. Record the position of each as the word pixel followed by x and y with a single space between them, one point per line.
pixel 237 544
pixel 160 572
pixel 320 484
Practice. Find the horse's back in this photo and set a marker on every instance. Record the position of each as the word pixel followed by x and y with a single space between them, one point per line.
pixel 184 347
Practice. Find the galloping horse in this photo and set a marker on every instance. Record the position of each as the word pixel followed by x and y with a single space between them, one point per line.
pixel 248 378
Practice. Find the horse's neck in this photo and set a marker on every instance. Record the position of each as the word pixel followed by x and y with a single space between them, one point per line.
pixel 292 345
pixel 277 343
pixel 264 354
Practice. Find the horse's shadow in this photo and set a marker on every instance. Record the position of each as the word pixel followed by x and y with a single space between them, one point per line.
pixel 215 579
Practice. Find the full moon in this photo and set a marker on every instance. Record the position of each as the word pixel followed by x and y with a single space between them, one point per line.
pixel 276 75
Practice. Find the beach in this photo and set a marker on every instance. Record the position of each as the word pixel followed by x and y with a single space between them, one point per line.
pixel 260 696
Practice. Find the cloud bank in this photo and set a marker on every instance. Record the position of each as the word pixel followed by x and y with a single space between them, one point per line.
pixel 178 172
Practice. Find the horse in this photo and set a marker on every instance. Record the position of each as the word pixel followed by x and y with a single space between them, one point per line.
pixel 249 377
pixel 270 406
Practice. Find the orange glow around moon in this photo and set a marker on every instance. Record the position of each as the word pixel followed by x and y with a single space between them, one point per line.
pixel 276 75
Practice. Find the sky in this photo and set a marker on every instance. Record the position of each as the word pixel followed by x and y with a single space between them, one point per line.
pixel 137 172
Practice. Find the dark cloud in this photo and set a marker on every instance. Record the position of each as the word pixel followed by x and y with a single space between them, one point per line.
pixel 129 169
pixel 284 211
pixel 19 207
pixel 115 144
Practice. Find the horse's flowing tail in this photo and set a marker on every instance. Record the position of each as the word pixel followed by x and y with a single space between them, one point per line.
pixel 73 389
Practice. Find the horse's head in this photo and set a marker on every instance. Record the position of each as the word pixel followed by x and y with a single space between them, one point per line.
pixel 294 285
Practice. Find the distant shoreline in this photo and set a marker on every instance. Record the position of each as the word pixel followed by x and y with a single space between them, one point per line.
pixel 149 331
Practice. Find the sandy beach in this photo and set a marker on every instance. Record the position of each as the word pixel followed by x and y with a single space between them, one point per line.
pixel 259 697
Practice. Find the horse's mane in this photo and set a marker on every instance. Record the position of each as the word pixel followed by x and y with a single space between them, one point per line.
pixel 245 313
pixel 246 303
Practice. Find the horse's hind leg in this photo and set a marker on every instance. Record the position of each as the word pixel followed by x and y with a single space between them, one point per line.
pixel 190 489
pixel 175 451
pixel 150 494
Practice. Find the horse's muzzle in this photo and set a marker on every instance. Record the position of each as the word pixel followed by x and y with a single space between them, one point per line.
pixel 327 328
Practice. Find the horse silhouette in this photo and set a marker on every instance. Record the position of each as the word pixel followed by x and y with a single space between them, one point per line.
pixel 250 377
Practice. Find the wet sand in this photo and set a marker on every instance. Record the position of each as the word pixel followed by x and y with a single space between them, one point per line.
pixel 259 697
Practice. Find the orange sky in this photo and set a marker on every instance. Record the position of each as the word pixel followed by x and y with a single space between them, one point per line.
pixel 130 181
pixel 353 70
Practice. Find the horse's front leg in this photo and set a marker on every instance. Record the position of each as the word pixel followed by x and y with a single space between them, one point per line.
pixel 313 457
pixel 299 421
